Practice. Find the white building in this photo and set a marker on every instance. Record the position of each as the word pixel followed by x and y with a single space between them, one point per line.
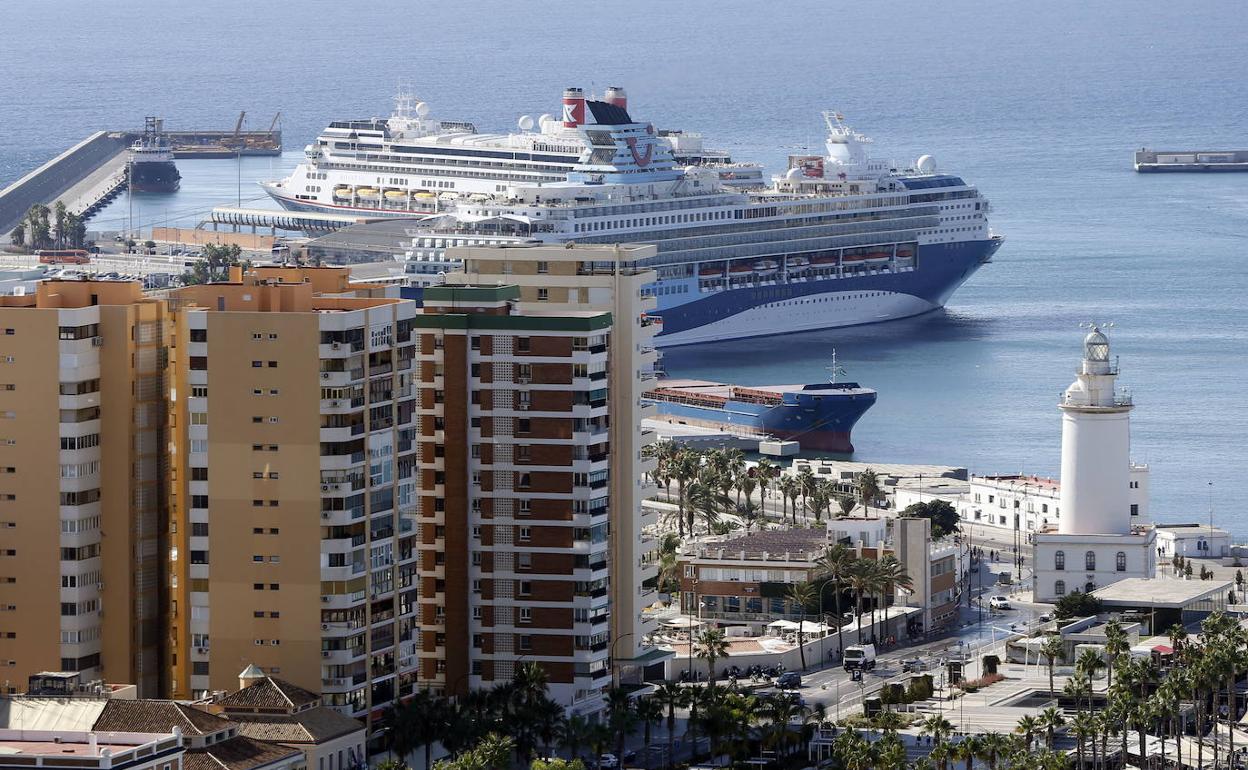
pixel 1192 541
pixel 1097 541
pixel 1031 503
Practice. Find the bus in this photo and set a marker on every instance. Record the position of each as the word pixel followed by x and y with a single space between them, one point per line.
pixel 63 256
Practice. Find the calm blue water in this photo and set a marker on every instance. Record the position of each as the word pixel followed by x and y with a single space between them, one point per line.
pixel 1039 104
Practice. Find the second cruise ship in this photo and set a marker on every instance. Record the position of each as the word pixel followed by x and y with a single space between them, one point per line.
pixel 838 239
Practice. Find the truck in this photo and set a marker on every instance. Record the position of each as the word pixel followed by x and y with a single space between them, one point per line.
pixel 860 656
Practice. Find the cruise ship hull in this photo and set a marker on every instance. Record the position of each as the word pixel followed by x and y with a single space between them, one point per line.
pixel 760 311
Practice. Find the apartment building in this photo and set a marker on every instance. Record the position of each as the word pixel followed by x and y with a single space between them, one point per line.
pixel 82 491
pixel 601 278
pixel 515 493
pixel 293 506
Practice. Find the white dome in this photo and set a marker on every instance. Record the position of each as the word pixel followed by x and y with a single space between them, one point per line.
pixel 1096 346
pixel 926 164
pixel 422 109
pixel 793 173
pixel 525 122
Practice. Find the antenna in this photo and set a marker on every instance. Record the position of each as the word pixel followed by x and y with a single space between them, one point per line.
pixel 835 369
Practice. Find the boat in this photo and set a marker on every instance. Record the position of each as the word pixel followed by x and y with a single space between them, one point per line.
pixel 1159 161
pixel 367 193
pixel 396 195
pixel 150 166
pixel 820 417
pixel 342 192
pixel 597 174
pixel 766 267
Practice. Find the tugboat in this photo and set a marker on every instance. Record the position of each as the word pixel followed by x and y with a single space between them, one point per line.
pixel 151 167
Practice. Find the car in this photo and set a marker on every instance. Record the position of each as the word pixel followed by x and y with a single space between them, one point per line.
pixel 789 680
pixel 608 762
pixel 999 603
pixel 1046 617
pixel 913 666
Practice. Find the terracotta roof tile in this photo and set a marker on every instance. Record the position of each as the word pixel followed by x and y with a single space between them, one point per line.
pixel 237 753
pixel 150 716
pixel 314 725
pixel 270 693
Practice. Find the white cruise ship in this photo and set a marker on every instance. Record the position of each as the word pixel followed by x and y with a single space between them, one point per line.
pixel 839 239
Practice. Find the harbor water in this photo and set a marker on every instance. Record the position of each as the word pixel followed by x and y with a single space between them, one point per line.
pixel 1041 105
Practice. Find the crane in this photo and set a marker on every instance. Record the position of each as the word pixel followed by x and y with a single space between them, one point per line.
pixel 276 118
pixel 238 129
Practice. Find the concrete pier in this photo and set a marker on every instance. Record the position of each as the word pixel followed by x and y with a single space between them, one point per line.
pixel 80 176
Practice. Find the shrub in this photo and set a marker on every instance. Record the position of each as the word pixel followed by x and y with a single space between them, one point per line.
pixel 972 685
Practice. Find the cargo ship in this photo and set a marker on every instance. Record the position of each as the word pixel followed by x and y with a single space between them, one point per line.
pixel 1158 161
pixel 820 417
pixel 150 167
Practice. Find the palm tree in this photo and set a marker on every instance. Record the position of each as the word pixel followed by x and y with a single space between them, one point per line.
pixel 936 726
pixel 573 734
pixel 891 573
pixel 702 498
pixel 668 577
pixel 966 750
pixel 1089 662
pixel 684 468
pixel 649 712
pixel 670 695
pixel 779 712
pixel 794 491
pixel 868 487
pixel 806 485
pixel 766 472
pixel 835 565
pixel 1028 726
pixel 1052 650
pixel 788 488
pixel 991 747
pixel 864 579
pixel 621 717
pixel 711 645
pixel 547 719
pixel 846 503
pixel 890 753
pixel 1051 719
pixel 1116 644
pixel 941 753
pixel 802 595
pixel 749 512
pixel 1084 727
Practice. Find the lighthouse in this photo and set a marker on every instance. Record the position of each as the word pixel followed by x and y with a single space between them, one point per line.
pixel 1096 447
pixel 1097 539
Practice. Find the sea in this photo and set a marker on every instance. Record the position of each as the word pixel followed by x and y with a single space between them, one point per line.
pixel 1039 104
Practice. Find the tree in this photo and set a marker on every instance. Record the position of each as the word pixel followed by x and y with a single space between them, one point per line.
pixel 649 712
pixel 1052 650
pixel 1116 645
pixel 891 573
pixel 420 722
pixel 802 595
pixel 620 717
pixel 806 484
pixel 18 235
pixel 574 734
pixel 38 231
pixel 1028 726
pixel 846 504
pixel 668 578
pixel 966 750
pixel 835 565
pixel 868 487
pixel 492 752
pixel 555 763
pixel 214 266
pixel 941 513
pixel 711 645
pixel 864 579
pixel 1051 719
pixel 1077 604
pixel 670 695
pixel 75 231
pixel 936 726
pixel 58 214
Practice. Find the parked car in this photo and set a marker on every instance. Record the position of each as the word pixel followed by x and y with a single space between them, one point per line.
pixel 1046 617
pixel 998 603
pixel 913 666
pixel 608 762
pixel 789 680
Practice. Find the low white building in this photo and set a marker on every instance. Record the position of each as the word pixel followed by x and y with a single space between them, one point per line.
pixel 1192 541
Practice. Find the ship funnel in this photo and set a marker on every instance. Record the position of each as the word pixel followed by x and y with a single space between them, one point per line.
pixel 573 107
pixel 615 95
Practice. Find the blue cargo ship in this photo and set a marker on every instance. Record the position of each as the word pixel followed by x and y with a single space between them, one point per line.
pixel 820 417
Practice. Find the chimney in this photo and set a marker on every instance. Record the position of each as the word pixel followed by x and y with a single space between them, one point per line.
pixel 249 676
pixel 615 95
pixel 236 273
pixel 573 107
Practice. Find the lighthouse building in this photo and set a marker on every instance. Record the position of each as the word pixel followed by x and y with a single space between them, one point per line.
pixel 1097 540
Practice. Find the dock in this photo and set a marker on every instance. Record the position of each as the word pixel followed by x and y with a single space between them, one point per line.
pixel 91 173
pixel 1163 161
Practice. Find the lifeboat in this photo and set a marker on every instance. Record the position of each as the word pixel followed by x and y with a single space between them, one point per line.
pixel 368 193
pixel 424 195
pixel 395 195
pixel 766 267
pixel 824 260
pixel 797 263
pixel 738 269
pixel 343 192
pixel 711 272
pixel 478 197
pixel 878 255
pixel 905 252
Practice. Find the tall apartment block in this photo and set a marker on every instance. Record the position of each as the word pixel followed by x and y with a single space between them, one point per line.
pixel 515 493
pixel 293 411
pixel 563 279
pixel 82 490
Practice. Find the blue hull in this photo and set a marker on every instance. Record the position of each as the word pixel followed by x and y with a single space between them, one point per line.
pixel 820 418
pixel 941 269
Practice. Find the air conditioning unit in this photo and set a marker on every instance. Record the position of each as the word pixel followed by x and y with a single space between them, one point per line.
pixel 325 514
pixel 325 599
pixel 335 345
pixel 324 375
pixel 324 653
pixel 335 403
pixel 324 487
pixel 97 342
pixel 324 626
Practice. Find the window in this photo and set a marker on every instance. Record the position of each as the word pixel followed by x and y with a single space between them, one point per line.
pixel 1059 561
pixel 1089 561
pixel 1089 587
pixel 1120 561
pixel 526 533
pixel 543 295
pixel 1059 588
pixel 543 267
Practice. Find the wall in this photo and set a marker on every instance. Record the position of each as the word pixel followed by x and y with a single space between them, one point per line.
pixel 46 183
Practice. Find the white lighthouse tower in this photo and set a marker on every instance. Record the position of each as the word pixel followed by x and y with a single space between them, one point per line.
pixel 1096 447
pixel 1097 541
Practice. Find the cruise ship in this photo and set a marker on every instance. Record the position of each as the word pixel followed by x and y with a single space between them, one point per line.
pixel 838 239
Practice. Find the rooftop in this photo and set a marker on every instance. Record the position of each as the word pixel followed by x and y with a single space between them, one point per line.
pixel 767 543
pixel 314 725
pixel 270 693
pixel 237 753
pixel 157 716
pixel 1162 592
